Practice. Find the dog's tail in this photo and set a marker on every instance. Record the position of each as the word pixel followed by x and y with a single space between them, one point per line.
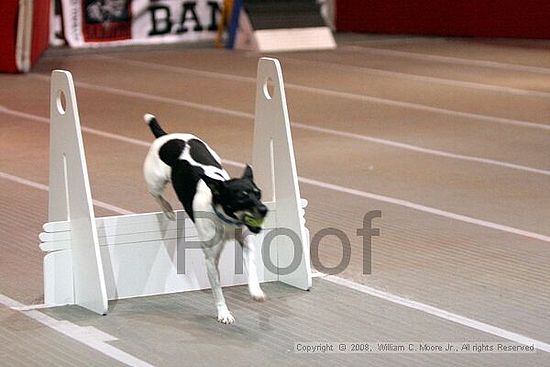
pixel 151 120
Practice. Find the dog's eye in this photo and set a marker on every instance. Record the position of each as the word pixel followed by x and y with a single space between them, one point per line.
pixel 244 194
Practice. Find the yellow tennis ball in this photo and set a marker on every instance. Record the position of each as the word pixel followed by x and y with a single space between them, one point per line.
pixel 253 222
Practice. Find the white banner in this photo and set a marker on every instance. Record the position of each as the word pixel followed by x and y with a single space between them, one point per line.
pixel 98 23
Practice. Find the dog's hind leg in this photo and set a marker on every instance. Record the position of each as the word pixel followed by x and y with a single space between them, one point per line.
pixel 157 176
pixel 166 207
pixel 212 257
pixel 156 189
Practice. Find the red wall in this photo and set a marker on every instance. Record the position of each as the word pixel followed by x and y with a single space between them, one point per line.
pixel 484 18
pixel 41 28
pixel 8 32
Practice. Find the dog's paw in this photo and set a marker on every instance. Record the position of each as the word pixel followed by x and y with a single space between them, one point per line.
pixel 257 295
pixel 225 317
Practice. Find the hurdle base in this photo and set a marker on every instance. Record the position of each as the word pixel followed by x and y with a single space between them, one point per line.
pixel 140 257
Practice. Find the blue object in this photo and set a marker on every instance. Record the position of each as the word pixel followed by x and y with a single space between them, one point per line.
pixel 234 24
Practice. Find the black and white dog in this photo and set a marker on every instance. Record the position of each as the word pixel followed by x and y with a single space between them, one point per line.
pixel 216 203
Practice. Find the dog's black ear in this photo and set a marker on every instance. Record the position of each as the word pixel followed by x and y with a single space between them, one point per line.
pixel 248 173
pixel 214 185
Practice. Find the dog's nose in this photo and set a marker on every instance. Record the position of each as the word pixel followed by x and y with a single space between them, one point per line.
pixel 262 209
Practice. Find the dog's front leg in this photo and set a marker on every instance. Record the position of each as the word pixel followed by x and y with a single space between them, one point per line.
pixel 212 256
pixel 249 254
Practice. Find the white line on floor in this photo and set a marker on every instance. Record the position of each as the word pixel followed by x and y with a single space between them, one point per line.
pixel 448 59
pixel 89 336
pixel 474 324
pixel 332 93
pixel 324 185
pixel 424 108
pixel 39 306
pixel 426 209
pixel 317 274
pixel 43 187
pixel 391 39
pixel 303 126
pixel 424 78
pixel 421 149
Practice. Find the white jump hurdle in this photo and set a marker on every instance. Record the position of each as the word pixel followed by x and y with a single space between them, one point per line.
pixel 91 260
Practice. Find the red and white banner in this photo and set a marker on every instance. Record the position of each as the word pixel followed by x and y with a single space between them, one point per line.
pixel 93 23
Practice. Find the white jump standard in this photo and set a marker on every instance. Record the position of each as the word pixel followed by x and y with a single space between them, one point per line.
pixel 92 260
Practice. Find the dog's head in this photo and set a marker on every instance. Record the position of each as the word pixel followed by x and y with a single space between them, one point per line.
pixel 240 199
